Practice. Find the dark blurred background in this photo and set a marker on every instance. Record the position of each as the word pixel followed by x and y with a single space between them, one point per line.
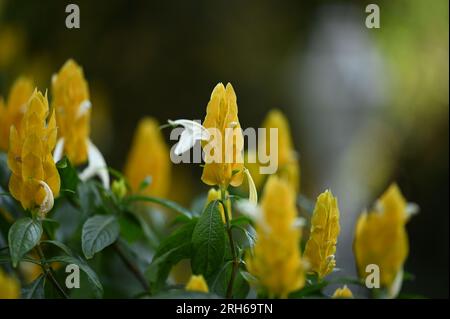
pixel 366 106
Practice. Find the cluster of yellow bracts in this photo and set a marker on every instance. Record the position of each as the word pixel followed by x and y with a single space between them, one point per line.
pixel 30 130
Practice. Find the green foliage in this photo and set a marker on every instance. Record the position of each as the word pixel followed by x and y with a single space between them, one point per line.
pixel 208 241
pixel 98 232
pixel 23 235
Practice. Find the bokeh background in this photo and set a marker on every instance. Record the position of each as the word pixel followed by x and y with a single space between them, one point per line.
pixel 366 106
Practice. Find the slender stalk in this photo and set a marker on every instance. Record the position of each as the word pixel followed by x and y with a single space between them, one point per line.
pixel 134 270
pixel 235 264
pixel 49 272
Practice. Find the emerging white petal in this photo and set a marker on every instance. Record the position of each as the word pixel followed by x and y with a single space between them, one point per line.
pixel 59 148
pixel 411 209
pixel 96 166
pixel 48 202
pixel 193 132
pixel 396 286
pixel 252 192
pixel 83 108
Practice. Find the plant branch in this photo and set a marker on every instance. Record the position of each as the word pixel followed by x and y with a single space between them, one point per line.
pixel 229 293
pixel 133 268
pixel 49 272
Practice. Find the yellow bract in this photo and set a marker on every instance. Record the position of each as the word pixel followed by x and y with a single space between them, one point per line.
pixel 343 293
pixel 321 245
pixel 288 165
pixel 12 112
pixel 381 237
pixel 29 156
pixel 276 258
pixel 197 283
pixel 214 194
pixel 149 157
pixel 9 287
pixel 222 119
pixel 70 93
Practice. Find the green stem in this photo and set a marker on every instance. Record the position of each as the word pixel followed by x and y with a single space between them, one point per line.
pixel 49 272
pixel 235 265
pixel 136 272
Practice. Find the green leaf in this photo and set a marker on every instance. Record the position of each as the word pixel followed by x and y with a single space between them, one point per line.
pixel 92 276
pixel 171 251
pixel 98 232
pixel 68 175
pixel 90 197
pixel 35 290
pixel 219 284
pixel 208 241
pixel 130 228
pixel 241 221
pixel 163 202
pixel 23 235
pixel 58 244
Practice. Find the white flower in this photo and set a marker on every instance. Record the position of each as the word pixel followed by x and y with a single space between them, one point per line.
pixel 96 166
pixel 59 149
pixel 252 192
pixel 193 132
pixel 83 108
pixel 48 202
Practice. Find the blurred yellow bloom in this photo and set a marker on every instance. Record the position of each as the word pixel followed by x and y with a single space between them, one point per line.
pixel 288 165
pixel 321 245
pixel 222 117
pixel 197 283
pixel 276 258
pixel 70 93
pixel 149 157
pixel 9 287
pixel 343 293
pixel 214 194
pixel 34 180
pixel 12 112
pixel 12 43
pixel 381 238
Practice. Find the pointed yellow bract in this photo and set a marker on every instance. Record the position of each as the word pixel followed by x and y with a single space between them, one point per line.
pixel 12 112
pixel 288 165
pixel 343 293
pixel 197 283
pixel 276 258
pixel 9 287
pixel 223 124
pixel 381 237
pixel 29 155
pixel 149 157
pixel 321 245
pixel 70 93
pixel 214 194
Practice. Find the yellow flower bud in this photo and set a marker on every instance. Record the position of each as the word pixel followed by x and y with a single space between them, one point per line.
pixel 70 93
pixel 197 283
pixel 321 245
pixel 34 173
pixel 149 157
pixel 343 293
pixel 222 119
pixel 288 165
pixel 119 188
pixel 214 194
pixel 9 287
pixel 276 258
pixel 13 111
pixel 381 238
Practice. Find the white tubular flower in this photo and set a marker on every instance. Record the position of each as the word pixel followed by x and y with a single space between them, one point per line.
pixel 48 202
pixel 83 108
pixel 193 132
pixel 97 166
pixel 59 149
pixel 252 192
